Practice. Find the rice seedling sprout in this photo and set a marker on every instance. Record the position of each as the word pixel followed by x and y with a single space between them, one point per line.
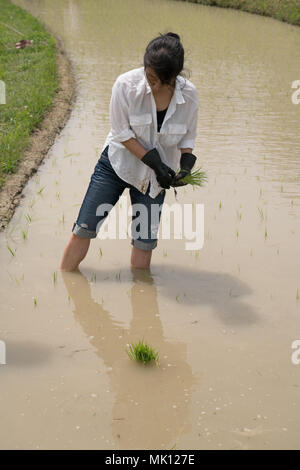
pixel 142 352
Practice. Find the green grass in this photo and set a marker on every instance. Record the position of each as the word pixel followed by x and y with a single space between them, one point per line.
pixel 283 10
pixel 31 81
pixel 142 352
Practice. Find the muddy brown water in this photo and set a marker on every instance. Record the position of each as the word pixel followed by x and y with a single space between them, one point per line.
pixel 224 317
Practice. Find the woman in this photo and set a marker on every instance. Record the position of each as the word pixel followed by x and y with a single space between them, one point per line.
pixel 153 113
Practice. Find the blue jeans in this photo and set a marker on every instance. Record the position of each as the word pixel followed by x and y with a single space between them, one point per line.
pixel 106 187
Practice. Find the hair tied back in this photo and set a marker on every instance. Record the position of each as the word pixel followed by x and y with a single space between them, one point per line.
pixel 173 35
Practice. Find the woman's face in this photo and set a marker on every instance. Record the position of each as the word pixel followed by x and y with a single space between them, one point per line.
pixel 154 82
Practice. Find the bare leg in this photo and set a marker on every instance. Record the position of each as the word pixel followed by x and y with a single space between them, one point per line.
pixel 140 258
pixel 74 252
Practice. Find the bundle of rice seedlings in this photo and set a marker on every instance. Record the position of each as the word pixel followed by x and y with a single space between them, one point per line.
pixel 197 177
pixel 142 352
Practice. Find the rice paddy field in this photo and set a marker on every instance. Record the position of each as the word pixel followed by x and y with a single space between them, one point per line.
pixel 225 318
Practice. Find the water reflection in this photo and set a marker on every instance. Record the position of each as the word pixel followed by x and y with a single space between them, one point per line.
pixel 151 404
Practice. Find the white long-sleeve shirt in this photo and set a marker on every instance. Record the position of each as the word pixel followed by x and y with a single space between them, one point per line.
pixel 132 112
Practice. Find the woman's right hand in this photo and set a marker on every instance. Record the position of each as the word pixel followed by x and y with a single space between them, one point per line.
pixel 164 174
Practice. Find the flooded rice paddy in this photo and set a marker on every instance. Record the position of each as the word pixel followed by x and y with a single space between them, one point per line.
pixel 224 317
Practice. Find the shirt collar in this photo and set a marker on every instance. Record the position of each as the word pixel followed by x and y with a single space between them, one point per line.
pixel 178 94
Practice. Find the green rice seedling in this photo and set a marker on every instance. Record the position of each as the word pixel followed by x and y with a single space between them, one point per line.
pixel 297 295
pixel 237 233
pixel 58 195
pixel 11 251
pixel 100 252
pixel 261 213
pixel 28 217
pixel 54 277
pixel 142 352
pixel 177 296
pixel 165 253
pixel 266 233
pixel 220 205
pixel 24 233
pixel 239 215
pixel 34 301
pixel 40 190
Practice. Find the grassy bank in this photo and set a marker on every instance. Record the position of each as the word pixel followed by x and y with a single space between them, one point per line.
pixel 284 10
pixel 31 81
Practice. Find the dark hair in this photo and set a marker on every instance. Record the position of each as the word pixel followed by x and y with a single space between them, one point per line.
pixel 165 55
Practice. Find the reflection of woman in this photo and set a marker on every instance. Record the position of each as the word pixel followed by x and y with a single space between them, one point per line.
pixel 153 113
pixel 142 397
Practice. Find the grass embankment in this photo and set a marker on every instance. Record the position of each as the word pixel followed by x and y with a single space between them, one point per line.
pixel 284 10
pixel 31 81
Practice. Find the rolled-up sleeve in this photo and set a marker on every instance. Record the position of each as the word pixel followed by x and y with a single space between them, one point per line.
pixel 188 140
pixel 118 113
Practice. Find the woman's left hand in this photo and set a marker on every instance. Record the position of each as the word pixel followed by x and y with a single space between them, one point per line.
pixel 187 161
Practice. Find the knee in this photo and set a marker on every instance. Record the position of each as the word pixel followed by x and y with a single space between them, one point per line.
pixel 79 240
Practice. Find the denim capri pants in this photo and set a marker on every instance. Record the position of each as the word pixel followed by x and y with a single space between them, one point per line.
pixel 106 187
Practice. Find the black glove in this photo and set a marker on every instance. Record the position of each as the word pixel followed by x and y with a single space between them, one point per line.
pixel 187 161
pixel 164 174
